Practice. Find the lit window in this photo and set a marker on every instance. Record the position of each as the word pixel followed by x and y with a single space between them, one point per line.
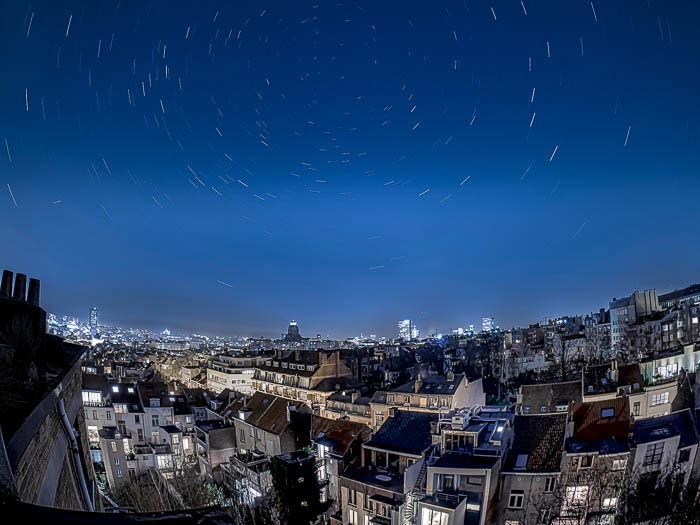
pixel 115 388
pixel 575 497
pixel 434 517
pixel 609 503
pixel 659 399
pixel 619 464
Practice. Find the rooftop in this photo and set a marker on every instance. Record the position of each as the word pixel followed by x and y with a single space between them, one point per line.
pixel 538 443
pixel 406 432
pixel 676 424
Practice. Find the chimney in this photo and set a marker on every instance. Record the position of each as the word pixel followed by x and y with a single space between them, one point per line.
pixel 418 383
pixel 290 410
pixel 34 289
pixel 6 288
pixel 20 291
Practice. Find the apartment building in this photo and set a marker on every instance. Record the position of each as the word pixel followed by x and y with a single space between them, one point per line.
pixel 428 393
pixel 462 470
pixel 391 463
pixel 304 375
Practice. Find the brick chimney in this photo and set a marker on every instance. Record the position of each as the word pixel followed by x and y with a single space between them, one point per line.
pixel 19 293
pixel 6 288
pixel 34 292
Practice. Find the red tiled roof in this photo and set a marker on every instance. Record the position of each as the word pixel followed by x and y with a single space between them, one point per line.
pixel 589 423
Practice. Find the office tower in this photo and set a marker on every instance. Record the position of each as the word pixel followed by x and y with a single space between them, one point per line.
pixel 488 324
pixel 93 318
pixel 408 330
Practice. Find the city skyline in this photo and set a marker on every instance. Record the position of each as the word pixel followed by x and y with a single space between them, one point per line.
pixel 228 168
pixel 491 321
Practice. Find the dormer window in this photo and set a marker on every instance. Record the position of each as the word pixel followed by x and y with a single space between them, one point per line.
pixel 154 402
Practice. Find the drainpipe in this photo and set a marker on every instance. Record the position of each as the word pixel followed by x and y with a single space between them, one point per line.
pixel 76 455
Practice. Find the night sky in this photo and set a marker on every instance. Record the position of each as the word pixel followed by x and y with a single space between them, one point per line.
pixel 225 167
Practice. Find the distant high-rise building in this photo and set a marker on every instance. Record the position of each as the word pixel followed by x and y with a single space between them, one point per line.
pixel 408 330
pixel 93 318
pixel 488 324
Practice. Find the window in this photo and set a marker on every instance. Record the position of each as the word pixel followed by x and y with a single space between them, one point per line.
pixel 684 455
pixel 137 419
pixel 93 434
pixel 139 434
pixel 115 389
pixel 515 501
pixel 635 408
pixel 521 462
pixel 164 462
pixel 94 414
pixel 154 402
pixel 352 517
pixel 607 412
pixel 448 482
pixel 109 415
pixel 119 472
pixel 352 497
pixel 619 464
pixel 472 480
pixel 609 503
pixel 654 453
pixel 659 399
pixel 575 497
pixel 543 409
pixel 114 446
pixel 92 397
pixel 586 462
pixel 154 420
pixel 176 439
pixel 120 408
pixel 549 483
pixel 188 419
pixel 242 433
pixel 116 460
pixel 434 517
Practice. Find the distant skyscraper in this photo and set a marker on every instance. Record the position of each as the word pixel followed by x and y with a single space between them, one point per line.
pixel 93 318
pixel 488 324
pixel 408 330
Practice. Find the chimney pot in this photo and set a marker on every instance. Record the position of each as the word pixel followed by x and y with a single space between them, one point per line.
pixel 20 290
pixel 34 292
pixel 6 288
